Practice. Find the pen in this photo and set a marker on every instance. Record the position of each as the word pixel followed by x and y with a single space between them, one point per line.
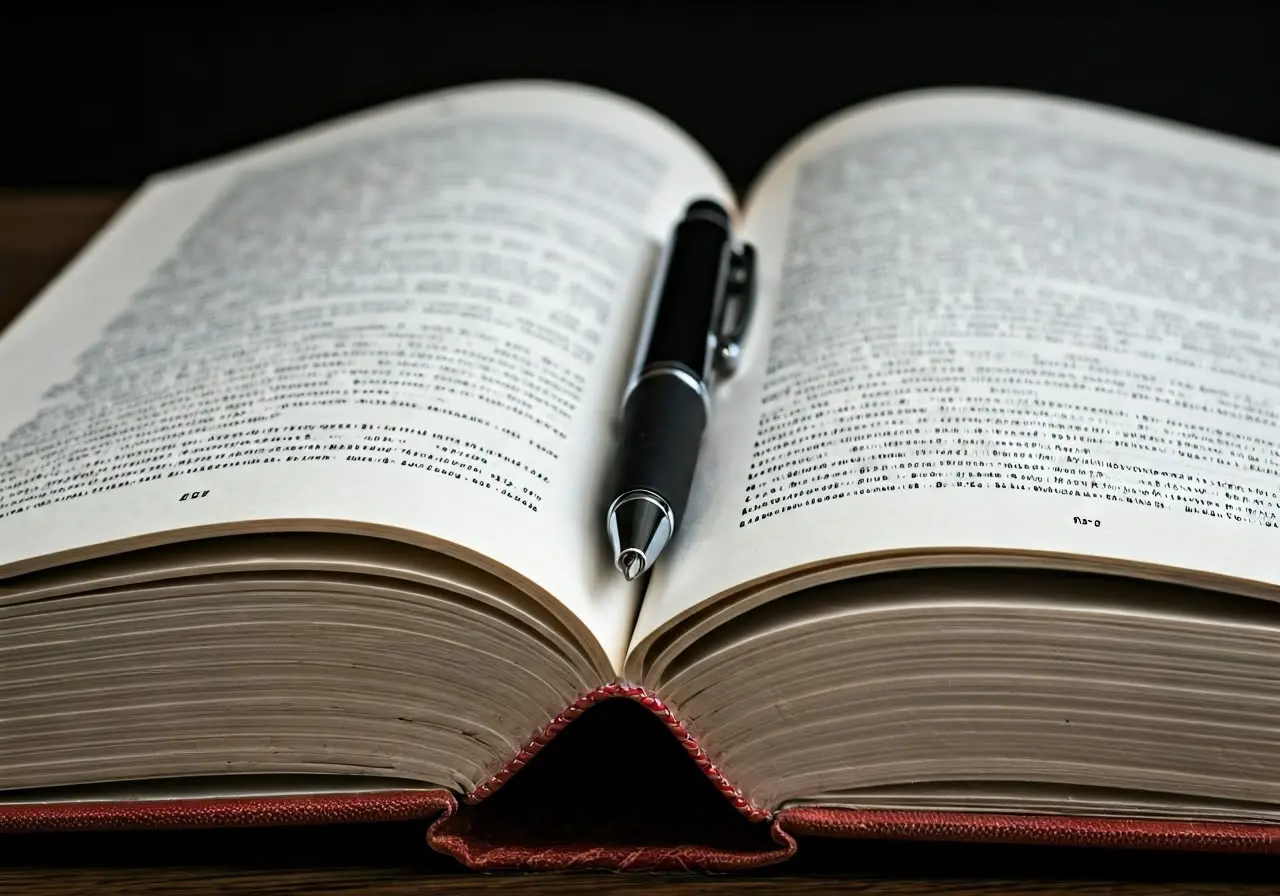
pixel 704 294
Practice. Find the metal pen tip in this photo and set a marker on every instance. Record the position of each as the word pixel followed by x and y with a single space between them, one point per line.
pixel 631 563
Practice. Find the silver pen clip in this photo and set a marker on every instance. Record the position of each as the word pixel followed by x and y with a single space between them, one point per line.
pixel 736 311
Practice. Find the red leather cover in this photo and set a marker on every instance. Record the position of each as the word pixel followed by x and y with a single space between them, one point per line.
pixel 1031 830
pixel 486 837
pixel 520 844
pixel 222 812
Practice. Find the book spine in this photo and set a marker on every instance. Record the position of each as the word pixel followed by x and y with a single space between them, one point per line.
pixel 650 702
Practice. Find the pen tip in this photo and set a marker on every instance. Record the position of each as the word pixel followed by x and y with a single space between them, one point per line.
pixel 631 562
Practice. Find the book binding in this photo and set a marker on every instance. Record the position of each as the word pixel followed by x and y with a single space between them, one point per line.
pixel 650 702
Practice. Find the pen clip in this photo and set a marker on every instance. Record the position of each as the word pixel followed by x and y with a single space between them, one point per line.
pixel 737 309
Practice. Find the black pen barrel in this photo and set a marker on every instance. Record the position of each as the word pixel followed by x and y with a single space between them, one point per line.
pixel 693 284
pixel 662 426
pixel 666 409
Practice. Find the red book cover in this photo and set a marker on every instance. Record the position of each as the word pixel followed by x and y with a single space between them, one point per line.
pixel 532 835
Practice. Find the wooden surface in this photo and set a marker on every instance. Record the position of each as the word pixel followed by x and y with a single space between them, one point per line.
pixel 41 233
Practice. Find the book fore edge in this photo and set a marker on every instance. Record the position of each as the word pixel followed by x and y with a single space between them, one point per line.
pixel 649 701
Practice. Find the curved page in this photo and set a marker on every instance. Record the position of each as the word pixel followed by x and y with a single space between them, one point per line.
pixel 998 322
pixel 415 322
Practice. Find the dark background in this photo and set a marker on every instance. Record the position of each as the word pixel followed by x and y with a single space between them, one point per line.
pixel 97 95
pixel 101 95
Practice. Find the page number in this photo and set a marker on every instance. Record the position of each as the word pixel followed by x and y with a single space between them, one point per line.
pixel 191 496
pixel 1078 520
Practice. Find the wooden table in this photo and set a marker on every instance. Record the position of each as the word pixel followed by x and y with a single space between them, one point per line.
pixel 39 233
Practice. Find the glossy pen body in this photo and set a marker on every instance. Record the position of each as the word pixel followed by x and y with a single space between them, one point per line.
pixel 668 402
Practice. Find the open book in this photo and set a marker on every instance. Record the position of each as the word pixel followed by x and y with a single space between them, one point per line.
pixel 302 465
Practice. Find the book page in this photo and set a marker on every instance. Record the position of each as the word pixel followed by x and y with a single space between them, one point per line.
pixel 417 320
pixel 999 322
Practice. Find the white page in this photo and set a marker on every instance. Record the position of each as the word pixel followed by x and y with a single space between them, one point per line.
pixel 958 284
pixel 451 282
